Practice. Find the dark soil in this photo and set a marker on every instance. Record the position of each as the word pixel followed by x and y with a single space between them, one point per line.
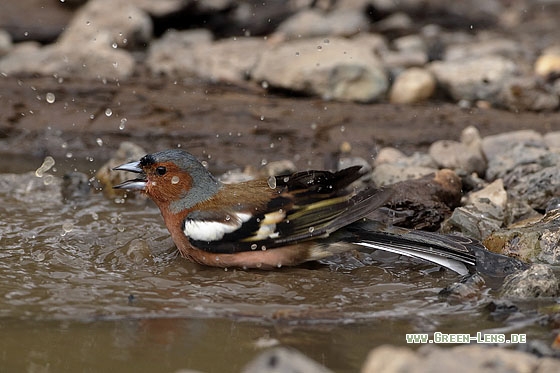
pixel 229 126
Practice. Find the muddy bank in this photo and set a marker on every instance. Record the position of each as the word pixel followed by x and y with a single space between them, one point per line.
pixel 230 126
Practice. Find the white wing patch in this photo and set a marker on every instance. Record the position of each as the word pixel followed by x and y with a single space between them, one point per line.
pixel 202 230
pixel 267 226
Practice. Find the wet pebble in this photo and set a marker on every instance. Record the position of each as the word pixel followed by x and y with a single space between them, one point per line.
pixel 316 22
pixel 495 145
pixel 283 360
pixel 537 281
pixel 341 70
pixel 467 358
pixel 474 78
pixel 412 85
pixel 548 63
pixel 5 43
pixel 530 241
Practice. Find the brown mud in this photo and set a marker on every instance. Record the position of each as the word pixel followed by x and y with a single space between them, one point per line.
pixel 228 126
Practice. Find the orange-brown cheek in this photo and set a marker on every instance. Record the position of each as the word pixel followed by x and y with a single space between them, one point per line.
pixel 168 189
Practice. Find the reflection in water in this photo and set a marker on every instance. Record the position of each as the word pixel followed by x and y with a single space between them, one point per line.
pixel 96 283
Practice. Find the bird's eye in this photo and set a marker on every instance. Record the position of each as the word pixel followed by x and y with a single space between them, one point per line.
pixel 161 170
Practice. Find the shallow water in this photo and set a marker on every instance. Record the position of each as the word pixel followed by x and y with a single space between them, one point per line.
pixel 93 284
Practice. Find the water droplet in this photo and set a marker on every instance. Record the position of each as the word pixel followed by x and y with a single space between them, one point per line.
pixel 50 97
pixel 175 179
pixel 114 45
pixel 264 84
pixel 67 227
pixel 297 54
pixel 40 257
pixel 264 162
pixel 254 246
pixel 88 23
pixel 48 180
pixel 47 164
pixel 92 116
pixel 311 229
pixel 262 117
pixel 263 248
pixel 122 124
pixel 319 48
pixel 108 112
pixel 228 218
pixel 286 179
pixel 99 141
pixel 326 41
pixel 94 216
pixel 271 182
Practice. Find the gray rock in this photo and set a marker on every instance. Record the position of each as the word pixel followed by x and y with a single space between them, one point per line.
pixel 528 94
pixel 314 22
pixel 537 187
pixel 465 155
pixel 474 78
pixel 173 54
pixel 396 61
pixel 229 60
pixel 531 240
pixel 340 69
pixel 470 222
pixel 90 46
pixel 495 145
pixel 410 43
pixel 64 60
pixel 116 24
pixel 283 360
pixel 388 155
pixel 396 22
pixel 5 43
pixel 162 8
pixel 552 140
pixel 491 200
pixel 537 281
pixel 395 156
pixel 460 359
pixel 193 54
pixel 481 48
pixel 387 173
pixel 412 85
pixel 346 162
pixel 456 155
pixel 516 162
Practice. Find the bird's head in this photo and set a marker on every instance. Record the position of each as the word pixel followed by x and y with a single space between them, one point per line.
pixel 172 178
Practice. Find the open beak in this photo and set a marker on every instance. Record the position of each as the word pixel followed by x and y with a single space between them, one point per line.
pixel 134 184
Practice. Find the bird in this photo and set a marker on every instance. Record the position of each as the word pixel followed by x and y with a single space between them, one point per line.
pixel 282 220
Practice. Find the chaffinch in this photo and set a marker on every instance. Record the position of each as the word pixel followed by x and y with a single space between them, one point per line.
pixel 279 221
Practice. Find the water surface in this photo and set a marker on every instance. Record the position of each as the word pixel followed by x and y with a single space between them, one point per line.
pixel 94 283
